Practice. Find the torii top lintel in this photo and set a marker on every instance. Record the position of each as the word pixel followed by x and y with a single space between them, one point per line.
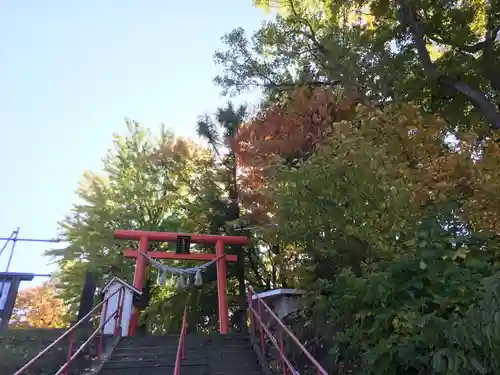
pixel 221 258
pixel 207 239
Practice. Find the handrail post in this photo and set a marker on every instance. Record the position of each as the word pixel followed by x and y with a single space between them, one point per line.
pixel 262 348
pixel 180 347
pixel 250 299
pixel 99 347
pixel 72 339
pixel 117 312
pixel 120 313
pixel 282 349
pixel 184 334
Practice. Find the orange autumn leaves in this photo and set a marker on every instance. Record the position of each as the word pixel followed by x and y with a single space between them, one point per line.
pixel 409 145
pixel 39 307
pixel 292 131
pixel 282 134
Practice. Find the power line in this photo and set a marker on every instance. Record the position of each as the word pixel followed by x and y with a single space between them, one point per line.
pixel 14 238
pixel 52 240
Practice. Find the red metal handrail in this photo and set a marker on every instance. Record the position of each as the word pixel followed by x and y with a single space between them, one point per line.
pixel 72 330
pixel 285 363
pixel 180 346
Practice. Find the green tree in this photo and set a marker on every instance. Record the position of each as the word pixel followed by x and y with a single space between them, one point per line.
pixel 219 198
pixel 443 56
pixel 391 224
pixel 380 214
pixel 147 183
pixel 219 131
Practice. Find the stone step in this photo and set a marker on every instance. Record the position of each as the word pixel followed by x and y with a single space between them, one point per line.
pixel 221 354
pixel 226 340
pixel 156 355
pixel 170 371
pixel 243 356
pixel 154 363
pixel 155 349
pixel 243 366
pixel 212 355
pixel 189 336
pixel 170 338
pixel 158 348
pixel 215 354
pixel 246 358
pixel 204 355
pixel 230 348
pixel 189 340
pixel 160 371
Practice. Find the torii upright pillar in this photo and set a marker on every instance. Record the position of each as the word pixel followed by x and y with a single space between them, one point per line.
pixel 141 263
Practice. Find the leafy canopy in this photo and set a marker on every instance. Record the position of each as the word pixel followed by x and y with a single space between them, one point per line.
pixel 390 226
pixel 147 183
pixel 440 55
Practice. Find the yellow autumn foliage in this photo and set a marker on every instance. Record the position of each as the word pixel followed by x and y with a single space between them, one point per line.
pixel 435 167
pixel 39 307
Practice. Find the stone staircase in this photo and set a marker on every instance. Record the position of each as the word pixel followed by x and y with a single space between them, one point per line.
pixel 213 354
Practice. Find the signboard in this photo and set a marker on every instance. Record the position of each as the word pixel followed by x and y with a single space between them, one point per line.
pixel 183 244
pixel 4 293
pixel 9 285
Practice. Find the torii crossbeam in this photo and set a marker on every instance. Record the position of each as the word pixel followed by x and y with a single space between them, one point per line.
pixel 141 263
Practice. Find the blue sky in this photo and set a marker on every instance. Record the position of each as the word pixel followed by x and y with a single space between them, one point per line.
pixel 71 71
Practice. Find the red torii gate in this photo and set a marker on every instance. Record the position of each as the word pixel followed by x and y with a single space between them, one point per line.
pixel 141 263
